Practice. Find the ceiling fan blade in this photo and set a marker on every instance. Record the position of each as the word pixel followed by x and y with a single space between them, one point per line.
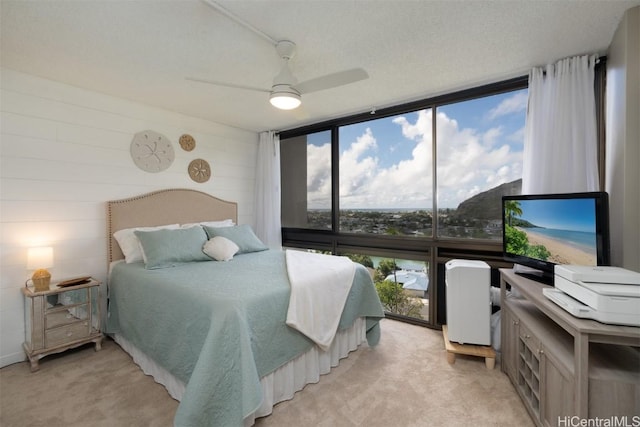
pixel 329 81
pixel 217 83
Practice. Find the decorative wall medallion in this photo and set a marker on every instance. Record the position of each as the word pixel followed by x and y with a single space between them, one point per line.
pixel 151 151
pixel 187 142
pixel 199 170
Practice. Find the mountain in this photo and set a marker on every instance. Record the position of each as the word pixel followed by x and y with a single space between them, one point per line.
pixel 488 204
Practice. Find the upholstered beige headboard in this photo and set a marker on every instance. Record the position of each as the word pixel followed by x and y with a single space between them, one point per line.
pixel 164 207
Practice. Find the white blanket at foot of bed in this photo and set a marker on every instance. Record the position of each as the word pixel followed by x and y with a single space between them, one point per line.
pixel 320 285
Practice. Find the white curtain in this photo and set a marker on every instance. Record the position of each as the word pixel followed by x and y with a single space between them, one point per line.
pixel 268 190
pixel 560 145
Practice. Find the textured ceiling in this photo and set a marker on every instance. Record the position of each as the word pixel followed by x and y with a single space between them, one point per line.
pixel 142 50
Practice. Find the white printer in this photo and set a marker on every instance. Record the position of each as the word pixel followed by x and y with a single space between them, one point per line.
pixel 606 294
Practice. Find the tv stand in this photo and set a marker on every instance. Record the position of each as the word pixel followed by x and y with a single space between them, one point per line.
pixel 563 366
pixel 541 278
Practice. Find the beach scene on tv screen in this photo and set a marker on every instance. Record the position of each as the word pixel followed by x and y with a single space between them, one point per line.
pixel 562 231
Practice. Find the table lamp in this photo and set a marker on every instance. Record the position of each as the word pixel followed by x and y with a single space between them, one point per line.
pixel 39 259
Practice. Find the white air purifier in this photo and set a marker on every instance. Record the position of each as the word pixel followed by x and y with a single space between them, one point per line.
pixel 468 294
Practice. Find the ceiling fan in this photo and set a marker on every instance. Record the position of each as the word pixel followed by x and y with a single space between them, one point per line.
pixel 286 93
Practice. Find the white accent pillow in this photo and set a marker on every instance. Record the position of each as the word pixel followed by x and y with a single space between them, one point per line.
pixel 129 243
pixel 220 248
pixel 223 223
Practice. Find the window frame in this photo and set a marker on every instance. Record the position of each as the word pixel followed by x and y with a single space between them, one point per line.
pixel 336 239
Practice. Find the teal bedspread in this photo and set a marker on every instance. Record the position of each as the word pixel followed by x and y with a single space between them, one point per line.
pixel 220 326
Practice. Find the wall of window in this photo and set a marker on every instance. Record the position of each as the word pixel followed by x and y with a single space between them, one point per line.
pixel 409 187
pixel 418 183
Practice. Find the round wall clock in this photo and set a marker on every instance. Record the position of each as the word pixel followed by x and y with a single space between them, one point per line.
pixel 199 170
pixel 187 142
pixel 151 151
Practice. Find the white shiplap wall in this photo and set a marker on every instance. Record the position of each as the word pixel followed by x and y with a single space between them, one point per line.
pixel 64 152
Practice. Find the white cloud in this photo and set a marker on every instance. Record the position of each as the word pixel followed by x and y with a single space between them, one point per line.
pixel 517 136
pixel 357 167
pixel 365 184
pixel 319 176
pixel 514 104
pixel 468 163
pixel 490 137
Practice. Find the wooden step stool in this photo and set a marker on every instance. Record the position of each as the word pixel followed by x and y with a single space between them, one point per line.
pixel 453 348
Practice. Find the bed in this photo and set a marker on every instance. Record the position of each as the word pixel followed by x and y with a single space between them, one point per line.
pixel 215 333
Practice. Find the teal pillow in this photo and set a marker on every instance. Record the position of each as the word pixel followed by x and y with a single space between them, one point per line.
pixel 241 235
pixel 165 248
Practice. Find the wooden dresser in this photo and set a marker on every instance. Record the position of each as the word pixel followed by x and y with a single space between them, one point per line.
pixel 563 366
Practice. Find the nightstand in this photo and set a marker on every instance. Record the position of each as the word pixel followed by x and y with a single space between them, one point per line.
pixel 61 318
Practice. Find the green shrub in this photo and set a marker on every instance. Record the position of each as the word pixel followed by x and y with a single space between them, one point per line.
pixel 396 300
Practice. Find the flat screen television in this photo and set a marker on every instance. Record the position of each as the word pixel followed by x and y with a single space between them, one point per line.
pixel 540 231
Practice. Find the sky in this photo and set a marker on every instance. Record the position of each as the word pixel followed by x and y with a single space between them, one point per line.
pixel 386 163
pixel 560 214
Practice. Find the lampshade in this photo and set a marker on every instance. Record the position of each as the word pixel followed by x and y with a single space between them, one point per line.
pixel 285 97
pixel 39 259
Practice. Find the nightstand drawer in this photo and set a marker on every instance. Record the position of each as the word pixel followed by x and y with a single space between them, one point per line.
pixel 65 334
pixel 66 317
pixel 69 298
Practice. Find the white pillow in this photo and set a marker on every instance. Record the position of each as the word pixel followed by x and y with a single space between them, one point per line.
pixel 220 248
pixel 224 223
pixel 129 243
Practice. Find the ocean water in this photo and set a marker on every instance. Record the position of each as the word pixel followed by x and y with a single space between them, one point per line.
pixel 404 264
pixel 582 240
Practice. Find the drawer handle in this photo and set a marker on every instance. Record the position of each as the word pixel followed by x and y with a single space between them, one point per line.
pixel 527 336
pixel 515 322
pixel 540 352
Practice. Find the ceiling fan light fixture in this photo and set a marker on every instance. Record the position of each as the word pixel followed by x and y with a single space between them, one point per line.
pixel 285 97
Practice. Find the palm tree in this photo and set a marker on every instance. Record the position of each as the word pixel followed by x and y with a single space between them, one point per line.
pixel 512 208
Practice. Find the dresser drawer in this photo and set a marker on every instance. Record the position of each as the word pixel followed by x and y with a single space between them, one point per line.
pixel 65 334
pixel 53 319
pixel 529 339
